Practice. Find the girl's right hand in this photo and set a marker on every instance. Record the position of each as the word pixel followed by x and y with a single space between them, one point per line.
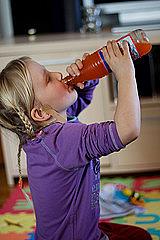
pixel 74 69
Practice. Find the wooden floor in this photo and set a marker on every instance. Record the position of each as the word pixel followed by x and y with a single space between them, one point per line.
pixel 4 188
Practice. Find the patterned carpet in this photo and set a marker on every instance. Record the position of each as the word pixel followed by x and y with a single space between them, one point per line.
pixel 17 221
pixel 149 187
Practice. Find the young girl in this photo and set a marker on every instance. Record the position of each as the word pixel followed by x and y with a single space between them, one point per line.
pixel 62 153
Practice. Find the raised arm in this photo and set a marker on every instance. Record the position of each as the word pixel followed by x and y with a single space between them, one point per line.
pixel 84 90
pixel 85 96
pixel 127 114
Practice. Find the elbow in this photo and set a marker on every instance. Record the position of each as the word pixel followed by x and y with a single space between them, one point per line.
pixel 134 134
pixel 131 135
pixel 128 131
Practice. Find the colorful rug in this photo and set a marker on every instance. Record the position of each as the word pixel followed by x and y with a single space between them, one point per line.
pixel 149 187
pixel 17 221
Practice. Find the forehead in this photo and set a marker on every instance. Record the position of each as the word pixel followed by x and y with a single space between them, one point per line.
pixel 35 68
pixel 36 71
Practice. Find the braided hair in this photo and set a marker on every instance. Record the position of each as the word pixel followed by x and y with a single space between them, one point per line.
pixel 16 102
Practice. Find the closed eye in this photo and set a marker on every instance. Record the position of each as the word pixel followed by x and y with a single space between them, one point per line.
pixel 48 78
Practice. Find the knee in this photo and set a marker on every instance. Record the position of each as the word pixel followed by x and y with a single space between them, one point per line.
pixel 143 234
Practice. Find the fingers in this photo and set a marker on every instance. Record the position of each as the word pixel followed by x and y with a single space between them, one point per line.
pixel 74 68
pixel 84 56
pixel 80 85
pixel 79 64
pixel 126 47
pixel 106 54
pixel 111 50
pixel 115 49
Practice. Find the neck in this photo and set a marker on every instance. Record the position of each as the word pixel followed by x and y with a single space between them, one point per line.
pixel 60 117
pixel 55 116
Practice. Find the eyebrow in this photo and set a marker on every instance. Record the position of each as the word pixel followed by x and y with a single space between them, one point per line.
pixel 43 66
pixel 43 72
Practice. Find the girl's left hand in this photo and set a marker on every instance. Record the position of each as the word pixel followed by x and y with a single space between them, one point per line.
pixel 74 69
pixel 119 59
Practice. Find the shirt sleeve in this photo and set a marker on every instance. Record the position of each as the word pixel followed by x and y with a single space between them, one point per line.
pixel 84 98
pixel 77 143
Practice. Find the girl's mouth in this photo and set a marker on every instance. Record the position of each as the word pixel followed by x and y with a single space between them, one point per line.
pixel 70 88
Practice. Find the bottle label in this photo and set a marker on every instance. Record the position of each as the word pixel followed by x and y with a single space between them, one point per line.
pixel 100 52
pixel 134 53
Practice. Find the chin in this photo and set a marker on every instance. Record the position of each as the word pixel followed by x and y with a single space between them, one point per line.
pixel 69 101
pixel 75 96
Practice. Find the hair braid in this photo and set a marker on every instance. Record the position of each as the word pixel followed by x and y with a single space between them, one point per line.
pixel 19 164
pixel 30 133
pixel 26 122
pixel 16 101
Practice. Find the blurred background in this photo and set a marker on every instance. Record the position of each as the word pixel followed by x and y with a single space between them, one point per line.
pixel 55 32
pixel 52 16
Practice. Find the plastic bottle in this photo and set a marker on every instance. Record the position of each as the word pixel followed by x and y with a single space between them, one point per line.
pixel 95 66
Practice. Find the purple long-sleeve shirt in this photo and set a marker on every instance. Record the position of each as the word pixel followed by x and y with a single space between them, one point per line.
pixel 64 174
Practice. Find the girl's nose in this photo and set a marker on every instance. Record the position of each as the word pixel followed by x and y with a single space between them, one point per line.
pixel 58 76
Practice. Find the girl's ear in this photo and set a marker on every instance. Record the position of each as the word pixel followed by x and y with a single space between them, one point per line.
pixel 39 115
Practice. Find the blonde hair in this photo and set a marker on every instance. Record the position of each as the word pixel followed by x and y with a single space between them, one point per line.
pixel 17 100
